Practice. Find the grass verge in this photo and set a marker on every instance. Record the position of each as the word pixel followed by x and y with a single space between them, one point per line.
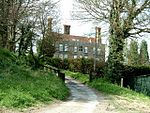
pixel 21 87
pixel 123 100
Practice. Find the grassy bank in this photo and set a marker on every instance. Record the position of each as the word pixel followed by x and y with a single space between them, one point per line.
pixel 83 78
pixel 124 100
pixel 21 87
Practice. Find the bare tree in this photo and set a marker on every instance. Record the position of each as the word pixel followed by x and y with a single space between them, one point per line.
pixel 126 18
pixel 47 18
pixel 11 12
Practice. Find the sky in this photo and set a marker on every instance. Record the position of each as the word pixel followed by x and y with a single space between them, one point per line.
pixel 82 29
pixel 77 28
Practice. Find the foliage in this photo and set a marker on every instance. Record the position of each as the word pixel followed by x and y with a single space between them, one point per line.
pixel 135 71
pixel 124 19
pixel 21 20
pixel 105 86
pixel 21 87
pixel 56 62
pixel 144 57
pixel 133 56
pixel 83 78
pixel 5 61
pixel 115 59
pixel 46 47
pixel 138 83
pixel 77 65
pixel 26 38
pixel 113 89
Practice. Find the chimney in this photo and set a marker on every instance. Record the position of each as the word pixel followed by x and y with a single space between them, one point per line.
pixel 67 29
pixel 50 24
pixel 98 34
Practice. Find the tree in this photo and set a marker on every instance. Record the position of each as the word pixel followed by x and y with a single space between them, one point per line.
pixel 133 56
pixel 17 15
pixel 11 11
pixel 126 18
pixel 144 57
pixel 47 16
pixel 26 39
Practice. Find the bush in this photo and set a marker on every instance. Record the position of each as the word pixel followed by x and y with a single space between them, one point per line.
pixel 56 62
pixel 135 71
pixel 77 65
pixel 6 58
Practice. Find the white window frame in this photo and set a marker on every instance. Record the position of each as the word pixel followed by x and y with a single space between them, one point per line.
pixel 85 49
pixel 66 47
pixel 75 56
pixel 60 47
pixel 93 50
pixel 75 49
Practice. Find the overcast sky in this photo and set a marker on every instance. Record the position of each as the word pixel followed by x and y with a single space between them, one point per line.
pixel 77 28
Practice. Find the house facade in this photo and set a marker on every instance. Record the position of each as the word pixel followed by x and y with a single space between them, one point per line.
pixel 70 46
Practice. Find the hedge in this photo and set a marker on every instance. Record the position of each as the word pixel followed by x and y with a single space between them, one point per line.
pixel 82 65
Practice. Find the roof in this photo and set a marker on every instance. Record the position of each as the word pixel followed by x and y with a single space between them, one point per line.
pixel 78 38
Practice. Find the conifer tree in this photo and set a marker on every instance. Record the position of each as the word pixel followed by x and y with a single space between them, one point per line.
pixel 144 57
pixel 133 56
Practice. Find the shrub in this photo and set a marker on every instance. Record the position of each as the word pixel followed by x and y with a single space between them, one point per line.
pixel 78 65
pixel 56 62
pixel 135 71
pixel 6 58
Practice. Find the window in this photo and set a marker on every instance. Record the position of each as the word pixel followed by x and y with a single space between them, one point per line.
pixel 60 47
pixel 86 50
pixel 66 47
pixel 81 56
pixel 73 39
pixel 65 56
pixel 80 48
pixel 93 50
pixel 75 56
pixel 75 49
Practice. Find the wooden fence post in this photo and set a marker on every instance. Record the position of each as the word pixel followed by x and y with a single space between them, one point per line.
pixel 121 82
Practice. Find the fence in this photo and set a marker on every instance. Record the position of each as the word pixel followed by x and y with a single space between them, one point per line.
pixel 139 83
pixel 57 71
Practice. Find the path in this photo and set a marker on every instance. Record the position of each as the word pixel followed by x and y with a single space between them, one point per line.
pixel 85 100
pixel 82 100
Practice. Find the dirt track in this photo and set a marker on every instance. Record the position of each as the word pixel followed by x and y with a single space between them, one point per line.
pixel 82 100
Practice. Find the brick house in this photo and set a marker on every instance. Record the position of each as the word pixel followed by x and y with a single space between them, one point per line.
pixel 70 46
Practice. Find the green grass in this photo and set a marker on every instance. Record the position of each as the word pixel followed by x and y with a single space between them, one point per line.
pixel 21 87
pixel 83 78
pixel 113 89
pixel 106 87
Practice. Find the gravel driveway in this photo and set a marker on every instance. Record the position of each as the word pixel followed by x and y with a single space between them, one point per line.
pixel 82 100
